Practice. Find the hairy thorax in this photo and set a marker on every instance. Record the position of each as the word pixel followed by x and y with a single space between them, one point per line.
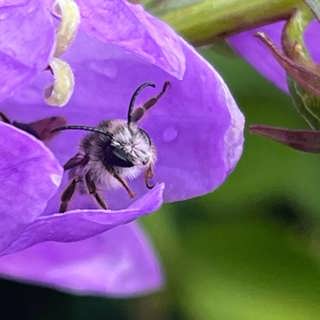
pixel 133 148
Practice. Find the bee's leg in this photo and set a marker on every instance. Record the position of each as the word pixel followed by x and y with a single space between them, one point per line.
pixel 77 160
pixel 93 191
pixel 148 175
pixel 4 118
pixel 140 111
pixel 124 183
pixel 68 193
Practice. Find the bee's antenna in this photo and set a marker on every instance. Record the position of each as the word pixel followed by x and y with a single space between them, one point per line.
pixel 134 96
pixel 85 128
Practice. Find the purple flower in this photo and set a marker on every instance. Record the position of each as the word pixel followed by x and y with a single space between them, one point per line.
pixel 257 54
pixel 196 127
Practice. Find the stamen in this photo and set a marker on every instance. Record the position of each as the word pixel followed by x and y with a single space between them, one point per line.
pixel 70 20
pixel 60 92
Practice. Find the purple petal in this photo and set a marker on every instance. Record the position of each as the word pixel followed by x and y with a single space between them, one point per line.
pixel 29 176
pixel 26 42
pixel 312 33
pixel 120 262
pixel 196 126
pixel 82 224
pixel 130 27
pixel 251 48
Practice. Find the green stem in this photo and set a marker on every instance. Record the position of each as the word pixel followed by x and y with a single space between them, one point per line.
pixel 314 5
pixel 200 21
pixel 293 34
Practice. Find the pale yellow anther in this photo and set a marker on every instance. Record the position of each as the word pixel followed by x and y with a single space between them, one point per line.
pixel 70 20
pixel 60 92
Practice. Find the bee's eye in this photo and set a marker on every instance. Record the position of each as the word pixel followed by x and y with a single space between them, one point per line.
pixel 118 158
pixel 145 134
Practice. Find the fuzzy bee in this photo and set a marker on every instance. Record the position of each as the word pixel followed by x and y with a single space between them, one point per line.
pixel 114 151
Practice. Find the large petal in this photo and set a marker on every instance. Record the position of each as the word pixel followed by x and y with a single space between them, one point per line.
pixel 129 26
pixel 29 176
pixel 82 224
pixel 26 42
pixel 197 126
pixel 120 262
pixel 257 54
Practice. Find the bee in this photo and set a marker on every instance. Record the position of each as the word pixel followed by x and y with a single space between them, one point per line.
pixel 42 129
pixel 114 151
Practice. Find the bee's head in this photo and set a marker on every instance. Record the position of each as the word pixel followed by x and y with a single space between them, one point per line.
pixel 131 146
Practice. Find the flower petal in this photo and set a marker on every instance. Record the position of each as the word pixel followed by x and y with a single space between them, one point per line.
pixel 29 176
pixel 251 48
pixel 26 43
pixel 82 224
pixel 196 126
pixel 129 26
pixel 120 262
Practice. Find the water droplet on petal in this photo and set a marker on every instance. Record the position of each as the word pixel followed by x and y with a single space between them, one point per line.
pixel 4 88
pixel 4 15
pixel 106 68
pixel 10 52
pixel 31 8
pixel 28 96
pixel 170 134
pixel 56 179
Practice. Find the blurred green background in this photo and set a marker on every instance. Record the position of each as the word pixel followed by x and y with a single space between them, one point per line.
pixel 250 250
